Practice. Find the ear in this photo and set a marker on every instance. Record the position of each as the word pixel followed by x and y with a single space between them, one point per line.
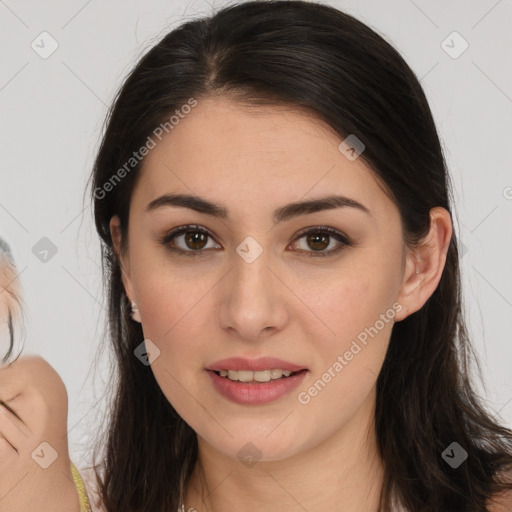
pixel 428 260
pixel 124 263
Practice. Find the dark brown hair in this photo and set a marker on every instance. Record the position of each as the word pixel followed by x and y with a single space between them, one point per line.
pixel 314 57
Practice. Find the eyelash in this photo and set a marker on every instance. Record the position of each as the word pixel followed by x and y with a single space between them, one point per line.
pixel 344 240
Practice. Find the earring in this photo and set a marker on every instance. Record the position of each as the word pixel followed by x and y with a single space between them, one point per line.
pixel 135 312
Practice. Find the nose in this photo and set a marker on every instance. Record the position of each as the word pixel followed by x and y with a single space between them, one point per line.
pixel 253 300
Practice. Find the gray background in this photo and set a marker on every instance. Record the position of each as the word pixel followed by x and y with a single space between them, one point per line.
pixel 52 110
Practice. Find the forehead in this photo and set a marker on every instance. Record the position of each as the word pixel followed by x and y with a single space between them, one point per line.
pixel 254 156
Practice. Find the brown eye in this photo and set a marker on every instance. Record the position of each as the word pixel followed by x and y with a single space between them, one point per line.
pixel 196 239
pixel 317 240
pixel 187 241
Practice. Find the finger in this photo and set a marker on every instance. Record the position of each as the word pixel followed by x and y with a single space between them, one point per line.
pixel 10 410
pixel 12 429
pixel 34 377
pixel 5 444
pixel 14 377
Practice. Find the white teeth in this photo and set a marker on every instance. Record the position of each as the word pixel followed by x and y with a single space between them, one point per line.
pixel 259 376
pixel 262 376
pixel 242 375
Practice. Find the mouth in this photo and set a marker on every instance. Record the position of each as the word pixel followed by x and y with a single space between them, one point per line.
pixel 246 387
pixel 257 377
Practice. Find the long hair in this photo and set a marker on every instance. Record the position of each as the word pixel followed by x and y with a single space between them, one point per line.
pixel 315 58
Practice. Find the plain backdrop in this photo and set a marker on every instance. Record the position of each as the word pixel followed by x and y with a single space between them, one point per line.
pixel 52 110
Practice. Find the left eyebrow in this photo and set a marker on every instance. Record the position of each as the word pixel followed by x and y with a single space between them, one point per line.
pixel 281 214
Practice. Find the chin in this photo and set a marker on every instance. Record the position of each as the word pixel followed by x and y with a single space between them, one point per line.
pixel 255 446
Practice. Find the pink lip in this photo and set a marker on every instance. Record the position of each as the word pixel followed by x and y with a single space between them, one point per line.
pixel 254 393
pixel 262 363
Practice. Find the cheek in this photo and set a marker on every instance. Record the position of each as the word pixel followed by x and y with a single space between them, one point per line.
pixel 350 328
pixel 169 300
pixel 347 358
pixel 176 315
pixel 346 304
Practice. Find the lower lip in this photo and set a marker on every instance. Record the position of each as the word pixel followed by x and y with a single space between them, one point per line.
pixel 255 393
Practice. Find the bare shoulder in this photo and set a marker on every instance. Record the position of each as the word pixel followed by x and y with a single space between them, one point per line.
pixel 502 502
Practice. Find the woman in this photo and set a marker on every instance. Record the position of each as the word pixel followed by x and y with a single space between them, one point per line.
pixel 260 106
pixel 34 461
pixel 283 279
pixel 10 298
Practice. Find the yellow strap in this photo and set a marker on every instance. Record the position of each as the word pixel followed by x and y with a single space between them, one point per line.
pixel 80 487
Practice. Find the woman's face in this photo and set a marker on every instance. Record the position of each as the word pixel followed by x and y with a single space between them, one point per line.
pixel 257 286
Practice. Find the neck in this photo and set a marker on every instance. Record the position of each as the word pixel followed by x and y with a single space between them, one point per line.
pixel 343 472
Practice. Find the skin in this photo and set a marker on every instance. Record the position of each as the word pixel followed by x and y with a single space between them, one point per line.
pixel 306 310
pixel 298 456
pixel 36 412
pixel 33 410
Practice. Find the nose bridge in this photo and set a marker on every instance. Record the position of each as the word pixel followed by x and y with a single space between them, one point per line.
pixel 251 270
pixel 250 305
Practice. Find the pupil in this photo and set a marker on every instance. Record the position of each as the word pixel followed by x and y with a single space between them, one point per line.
pixel 316 239
pixel 193 237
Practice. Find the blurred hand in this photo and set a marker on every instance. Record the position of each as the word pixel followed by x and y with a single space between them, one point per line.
pixel 35 467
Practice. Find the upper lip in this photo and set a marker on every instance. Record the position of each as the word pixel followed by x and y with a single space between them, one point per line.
pixel 262 363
